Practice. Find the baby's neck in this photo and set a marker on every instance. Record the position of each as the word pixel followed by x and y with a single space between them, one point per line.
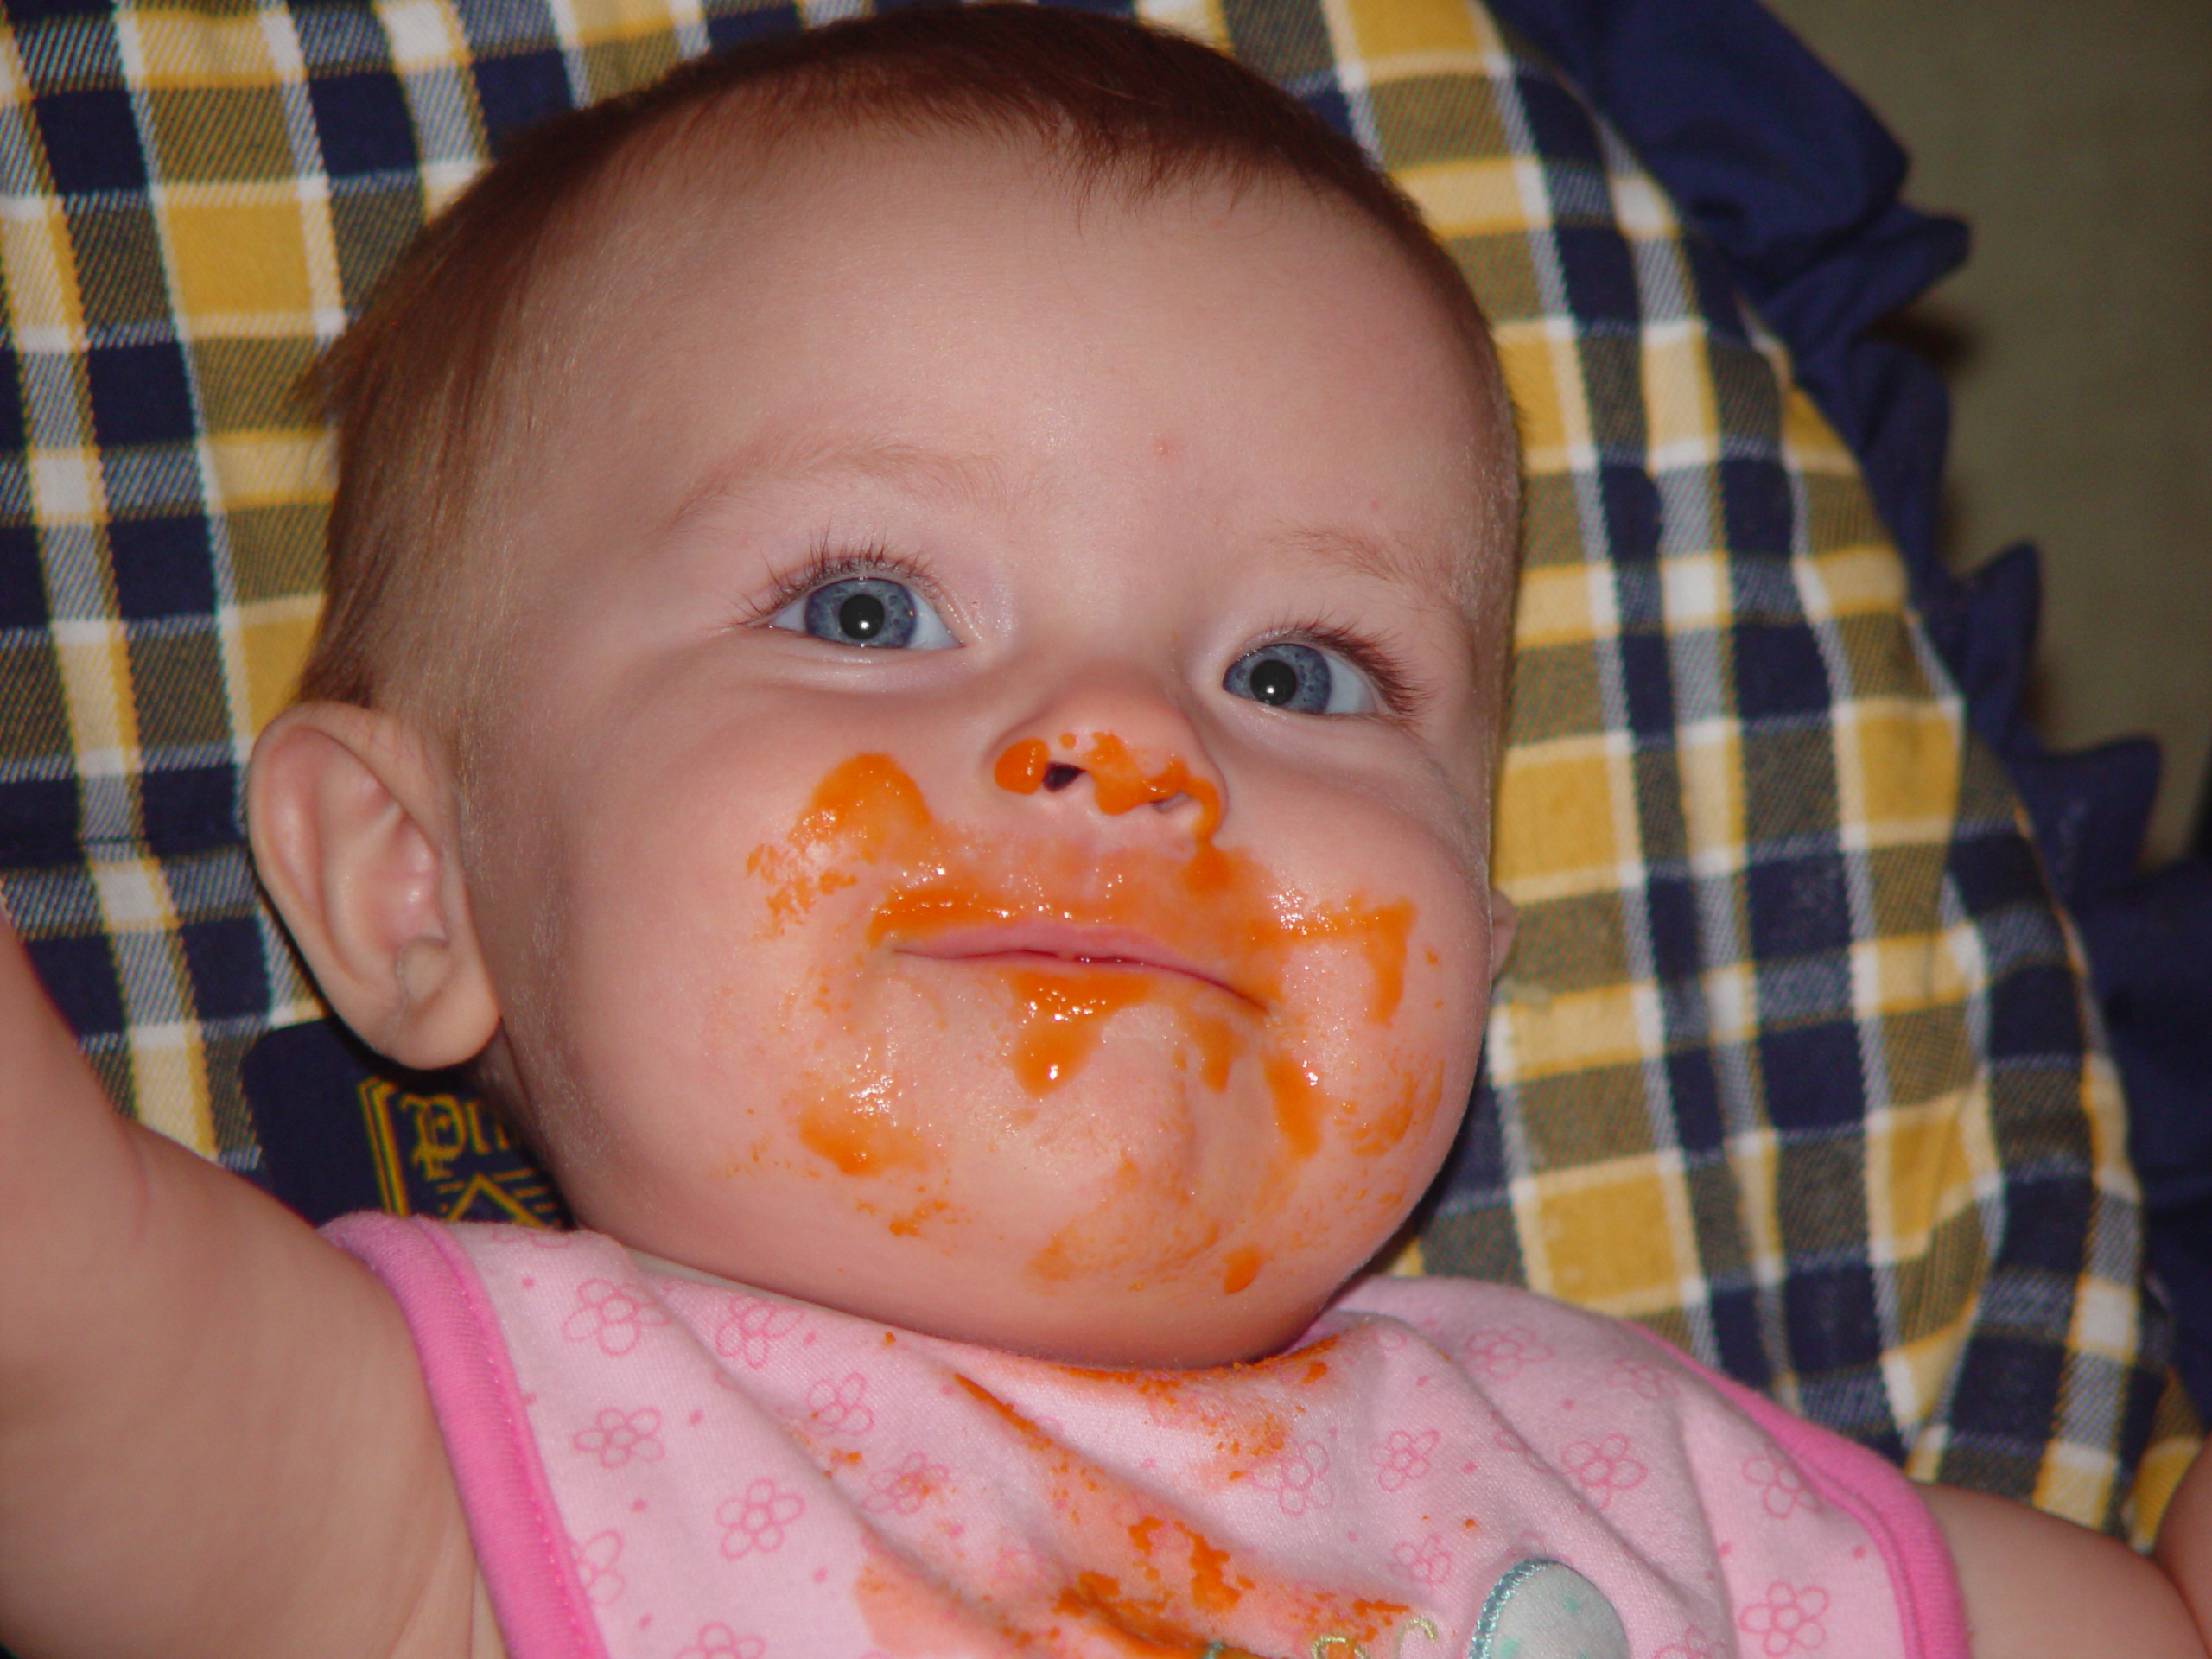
pixel 653 1263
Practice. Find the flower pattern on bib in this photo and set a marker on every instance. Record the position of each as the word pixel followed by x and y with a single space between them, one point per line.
pixel 1440 1468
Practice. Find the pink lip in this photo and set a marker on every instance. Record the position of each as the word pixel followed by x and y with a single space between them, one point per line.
pixel 1070 942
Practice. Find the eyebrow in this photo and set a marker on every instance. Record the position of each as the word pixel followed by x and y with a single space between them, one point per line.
pixel 1389 562
pixel 790 456
pixel 796 456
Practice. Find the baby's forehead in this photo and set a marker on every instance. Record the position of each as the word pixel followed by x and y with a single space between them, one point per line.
pixel 690 215
pixel 691 208
pixel 680 203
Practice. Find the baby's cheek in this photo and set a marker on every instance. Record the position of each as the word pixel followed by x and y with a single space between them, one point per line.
pixel 1369 1028
pixel 852 1084
pixel 1390 1092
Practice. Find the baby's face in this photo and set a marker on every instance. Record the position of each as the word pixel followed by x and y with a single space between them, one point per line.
pixel 988 823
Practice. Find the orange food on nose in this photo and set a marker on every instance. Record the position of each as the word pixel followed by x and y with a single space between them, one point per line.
pixel 1119 783
pixel 1021 768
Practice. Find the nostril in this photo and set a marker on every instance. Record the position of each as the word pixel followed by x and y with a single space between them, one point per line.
pixel 1059 775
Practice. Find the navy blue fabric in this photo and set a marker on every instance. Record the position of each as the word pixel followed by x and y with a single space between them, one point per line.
pixel 1794 184
pixel 2148 935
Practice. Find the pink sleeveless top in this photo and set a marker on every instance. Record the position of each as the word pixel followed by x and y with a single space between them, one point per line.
pixel 655 1467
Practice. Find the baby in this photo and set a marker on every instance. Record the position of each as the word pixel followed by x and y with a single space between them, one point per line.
pixel 915 664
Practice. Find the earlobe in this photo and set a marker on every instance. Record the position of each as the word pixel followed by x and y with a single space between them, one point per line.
pixel 1503 920
pixel 353 833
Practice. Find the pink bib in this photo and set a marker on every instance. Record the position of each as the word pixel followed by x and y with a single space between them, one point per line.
pixel 655 1467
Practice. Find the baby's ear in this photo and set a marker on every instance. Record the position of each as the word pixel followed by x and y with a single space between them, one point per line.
pixel 353 829
pixel 1504 919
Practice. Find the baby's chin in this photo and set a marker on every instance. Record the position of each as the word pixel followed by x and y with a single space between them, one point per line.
pixel 1110 1336
pixel 1088 1314
pixel 1162 1201
pixel 1114 1250
pixel 1173 1322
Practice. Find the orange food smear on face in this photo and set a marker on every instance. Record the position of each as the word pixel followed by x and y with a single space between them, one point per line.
pixel 1218 908
pixel 910 1224
pixel 1417 1102
pixel 1057 1262
pixel 1238 1269
pixel 1217 1047
pixel 860 808
pixel 863 803
pixel 860 1141
pixel 1021 770
pixel 1061 1017
pixel 1120 783
pixel 1298 1103
pixel 1380 934
pixel 1115 1226
pixel 1220 912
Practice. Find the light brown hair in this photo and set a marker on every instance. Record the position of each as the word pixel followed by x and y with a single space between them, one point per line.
pixel 425 390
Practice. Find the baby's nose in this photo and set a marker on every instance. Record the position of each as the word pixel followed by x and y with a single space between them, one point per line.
pixel 1122 778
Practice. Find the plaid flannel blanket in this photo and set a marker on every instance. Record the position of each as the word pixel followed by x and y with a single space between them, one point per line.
pixel 1793 1061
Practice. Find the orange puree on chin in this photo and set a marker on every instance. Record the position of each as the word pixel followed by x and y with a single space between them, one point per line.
pixel 859 1140
pixel 1230 935
pixel 1239 1269
pixel 1061 1018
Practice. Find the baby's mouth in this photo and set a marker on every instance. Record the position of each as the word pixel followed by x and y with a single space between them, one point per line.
pixel 956 896
pixel 1042 942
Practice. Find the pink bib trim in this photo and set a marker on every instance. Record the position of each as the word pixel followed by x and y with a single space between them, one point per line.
pixel 521 1549
pixel 1881 1498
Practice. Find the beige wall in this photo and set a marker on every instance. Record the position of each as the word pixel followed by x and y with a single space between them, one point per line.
pixel 2077 136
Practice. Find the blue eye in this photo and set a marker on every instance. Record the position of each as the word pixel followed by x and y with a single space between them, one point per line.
pixel 871 611
pixel 1303 679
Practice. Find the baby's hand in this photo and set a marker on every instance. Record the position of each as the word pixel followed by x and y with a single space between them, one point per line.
pixel 213 1434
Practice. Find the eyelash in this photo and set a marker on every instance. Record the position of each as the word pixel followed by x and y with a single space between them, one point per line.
pixel 1403 696
pixel 826 564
